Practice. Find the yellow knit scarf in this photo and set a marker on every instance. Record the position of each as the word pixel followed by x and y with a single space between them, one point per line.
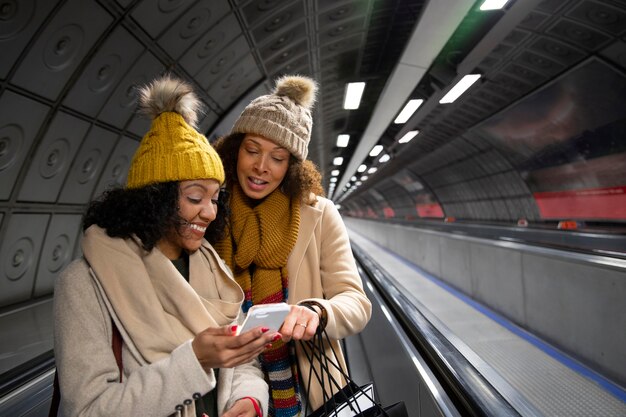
pixel 257 246
pixel 258 243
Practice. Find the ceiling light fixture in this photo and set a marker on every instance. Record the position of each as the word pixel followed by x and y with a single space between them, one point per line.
pixel 460 87
pixel 493 4
pixel 333 179
pixel 372 170
pixel 408 110
pixel 352 99
pixel 376 150
pixel 384 158
pixel 342 141
pixel 334 172
pixel 338 160
pixel 361 168
pixel 408 136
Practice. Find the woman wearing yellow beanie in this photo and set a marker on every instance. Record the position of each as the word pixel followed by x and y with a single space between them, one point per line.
pixel 285 241
pixel 145 320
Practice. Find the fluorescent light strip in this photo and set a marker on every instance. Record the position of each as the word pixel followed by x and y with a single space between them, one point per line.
pixel 376 150
pixel 460 87
pixel 408 110
pixel 408 136
pixel 493 4
pixel 342 141
pixel 354 91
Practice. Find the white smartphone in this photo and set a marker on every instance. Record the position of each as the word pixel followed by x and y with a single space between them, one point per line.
pixel 271 316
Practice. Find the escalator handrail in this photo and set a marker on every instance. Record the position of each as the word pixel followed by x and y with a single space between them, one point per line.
pixel 26 372
pixel 466 386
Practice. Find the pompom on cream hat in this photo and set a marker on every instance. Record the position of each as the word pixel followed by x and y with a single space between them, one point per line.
pixel 284 116
pixel 172 150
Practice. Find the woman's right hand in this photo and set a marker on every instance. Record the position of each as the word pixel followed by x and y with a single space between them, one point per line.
pixel 218 347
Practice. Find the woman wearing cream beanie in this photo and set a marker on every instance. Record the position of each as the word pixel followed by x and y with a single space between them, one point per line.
pixel 150 279
pixel 285 241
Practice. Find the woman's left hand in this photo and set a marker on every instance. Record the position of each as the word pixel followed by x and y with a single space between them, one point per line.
pixel 300 324
pixel 241 408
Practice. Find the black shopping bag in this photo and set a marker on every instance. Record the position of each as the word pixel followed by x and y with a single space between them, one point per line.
pixel 350 400
pixel 394 410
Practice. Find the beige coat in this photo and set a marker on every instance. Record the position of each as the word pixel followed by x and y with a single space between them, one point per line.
pixel 88 373
pixel 322 268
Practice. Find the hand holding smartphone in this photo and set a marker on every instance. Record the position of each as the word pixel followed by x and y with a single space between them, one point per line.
pixel 271 316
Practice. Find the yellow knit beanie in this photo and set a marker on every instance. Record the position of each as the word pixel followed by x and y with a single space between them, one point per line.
pixel 172 150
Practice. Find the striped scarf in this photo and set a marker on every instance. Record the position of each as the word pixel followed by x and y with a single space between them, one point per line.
pixel 256 247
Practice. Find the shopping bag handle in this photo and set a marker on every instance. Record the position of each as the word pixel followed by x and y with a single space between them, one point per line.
pixel 317 351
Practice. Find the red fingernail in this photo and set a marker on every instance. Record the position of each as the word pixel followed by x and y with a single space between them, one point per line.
pixel 275 338
pixel 265 329
pixel 233 328
pixel 269 345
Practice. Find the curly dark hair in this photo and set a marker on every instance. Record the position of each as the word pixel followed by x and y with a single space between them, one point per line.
pixel 148 212
pixel 302 177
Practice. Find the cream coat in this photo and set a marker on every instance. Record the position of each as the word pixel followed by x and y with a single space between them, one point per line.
pixel 88 373
pixel 322 268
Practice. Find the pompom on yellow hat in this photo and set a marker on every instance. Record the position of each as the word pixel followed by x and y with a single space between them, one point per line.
pixel 172 150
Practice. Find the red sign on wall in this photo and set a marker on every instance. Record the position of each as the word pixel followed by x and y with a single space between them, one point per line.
pixel 389 212
pixel 429 210
pixel 595 203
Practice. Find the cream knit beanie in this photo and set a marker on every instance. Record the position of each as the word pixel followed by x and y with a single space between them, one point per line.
pixel 283 116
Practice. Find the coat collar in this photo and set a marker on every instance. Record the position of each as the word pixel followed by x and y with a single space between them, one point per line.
pixel 309 218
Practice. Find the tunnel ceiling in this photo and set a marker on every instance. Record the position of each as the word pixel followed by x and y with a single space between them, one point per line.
pixel 518 53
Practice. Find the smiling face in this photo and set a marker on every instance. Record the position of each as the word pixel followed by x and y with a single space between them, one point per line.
pixel 261 166
pixel 197 202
